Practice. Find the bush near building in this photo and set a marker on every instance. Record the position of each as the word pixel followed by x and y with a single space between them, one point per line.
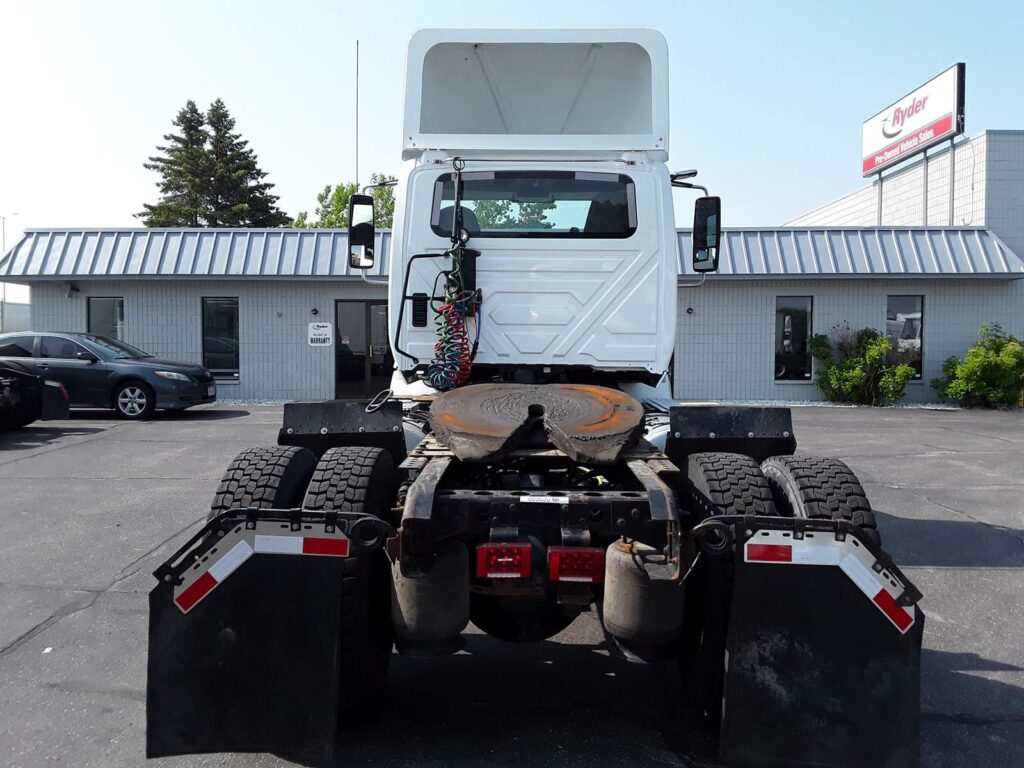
pixel 853 367
pixel 989 375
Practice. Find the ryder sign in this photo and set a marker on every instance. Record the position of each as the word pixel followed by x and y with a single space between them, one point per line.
pixel 921 119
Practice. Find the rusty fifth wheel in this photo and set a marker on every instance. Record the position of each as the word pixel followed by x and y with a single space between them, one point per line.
pixel 484 422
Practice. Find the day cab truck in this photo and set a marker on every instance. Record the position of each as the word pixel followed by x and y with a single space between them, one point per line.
pixel 529 462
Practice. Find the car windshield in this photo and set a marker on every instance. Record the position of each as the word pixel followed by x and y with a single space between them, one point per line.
pixel 114 349
pixel 538 204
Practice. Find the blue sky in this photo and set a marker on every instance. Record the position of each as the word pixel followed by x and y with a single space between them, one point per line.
pixel 767 98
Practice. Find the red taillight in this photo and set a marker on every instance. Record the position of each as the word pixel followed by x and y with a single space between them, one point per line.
pixel 576 564
pixel 503 561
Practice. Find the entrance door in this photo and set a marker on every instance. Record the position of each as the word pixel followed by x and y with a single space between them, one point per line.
pixel 363 361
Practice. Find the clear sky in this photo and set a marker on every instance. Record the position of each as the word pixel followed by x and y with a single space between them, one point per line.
pixel 767 97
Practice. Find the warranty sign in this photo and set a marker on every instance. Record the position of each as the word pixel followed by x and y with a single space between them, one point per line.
pixel 321 334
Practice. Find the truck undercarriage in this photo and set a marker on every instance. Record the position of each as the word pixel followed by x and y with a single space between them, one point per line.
pixel 776 606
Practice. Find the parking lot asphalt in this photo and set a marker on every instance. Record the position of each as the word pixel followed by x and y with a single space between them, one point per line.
pixel 89 507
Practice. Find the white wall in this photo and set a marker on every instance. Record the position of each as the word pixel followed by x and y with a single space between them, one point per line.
pixel 725 349
pixel 903 192
pixel 165 317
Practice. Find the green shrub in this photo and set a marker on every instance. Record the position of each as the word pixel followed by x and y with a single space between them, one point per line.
pixel 990 374
pixel 853 368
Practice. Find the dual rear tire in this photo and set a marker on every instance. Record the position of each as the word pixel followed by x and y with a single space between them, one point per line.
pixel 810 487
pixel 349 479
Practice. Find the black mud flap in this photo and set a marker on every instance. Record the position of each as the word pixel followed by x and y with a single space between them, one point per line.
pixel 823 653
pixel 244 635
pixel 752 431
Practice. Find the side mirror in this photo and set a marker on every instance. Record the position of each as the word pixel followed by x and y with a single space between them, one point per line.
pixel 707 231
pixel 360 232
pixel 89 357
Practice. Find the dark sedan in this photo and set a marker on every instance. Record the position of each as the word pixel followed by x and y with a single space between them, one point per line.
pixel 98 371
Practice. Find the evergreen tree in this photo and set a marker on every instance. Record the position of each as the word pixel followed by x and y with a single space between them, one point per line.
pixel 183 167
pixel 238 196
pixel 210 177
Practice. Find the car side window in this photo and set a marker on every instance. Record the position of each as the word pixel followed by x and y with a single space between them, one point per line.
pixel 56 347
pixel 16 346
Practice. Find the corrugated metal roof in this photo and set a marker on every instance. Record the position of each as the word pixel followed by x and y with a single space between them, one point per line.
pixel 303 254
pixel 184 253
pixel 873 252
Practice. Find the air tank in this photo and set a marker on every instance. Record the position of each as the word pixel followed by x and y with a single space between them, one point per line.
pixel 430 611
pixel 643 615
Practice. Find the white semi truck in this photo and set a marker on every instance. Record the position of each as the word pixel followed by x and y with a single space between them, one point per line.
pixel 528 463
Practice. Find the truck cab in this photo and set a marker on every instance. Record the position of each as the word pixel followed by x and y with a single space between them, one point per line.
pixel 555 143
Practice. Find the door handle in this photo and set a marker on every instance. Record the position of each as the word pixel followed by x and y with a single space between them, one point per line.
pixel 43 366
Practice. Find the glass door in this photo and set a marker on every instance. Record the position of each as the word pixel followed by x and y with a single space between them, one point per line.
pixel 363 360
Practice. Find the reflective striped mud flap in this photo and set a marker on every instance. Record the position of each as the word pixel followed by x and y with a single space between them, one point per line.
pixel 823 653
pixel 244 635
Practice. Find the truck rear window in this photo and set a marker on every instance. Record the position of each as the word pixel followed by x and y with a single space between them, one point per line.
pixel 566 204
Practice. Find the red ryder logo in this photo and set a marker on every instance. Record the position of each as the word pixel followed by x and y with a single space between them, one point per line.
pixel 898 119
pixel 919 120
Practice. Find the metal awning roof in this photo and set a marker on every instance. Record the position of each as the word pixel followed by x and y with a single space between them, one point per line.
pixel 321 254
pixel 248 254
pixel 860 252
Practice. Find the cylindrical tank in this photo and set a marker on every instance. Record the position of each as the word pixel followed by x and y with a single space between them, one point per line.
pixel 643 615
pixel 430 611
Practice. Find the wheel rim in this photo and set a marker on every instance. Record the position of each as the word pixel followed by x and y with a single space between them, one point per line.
pixel 132 401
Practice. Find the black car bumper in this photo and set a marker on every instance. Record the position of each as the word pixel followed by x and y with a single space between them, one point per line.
pixel 173 395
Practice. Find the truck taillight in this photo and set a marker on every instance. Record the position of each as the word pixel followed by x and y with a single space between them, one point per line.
pixel 503 561
pixel 576 564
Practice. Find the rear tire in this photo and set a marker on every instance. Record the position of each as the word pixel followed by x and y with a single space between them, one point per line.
pixel 819 488
pixel 717 484
pixel 727 484
pixel 360 480
pixel 267 478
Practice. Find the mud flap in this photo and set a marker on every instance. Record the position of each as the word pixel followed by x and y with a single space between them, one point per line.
pixel 822 662
pixel 244 645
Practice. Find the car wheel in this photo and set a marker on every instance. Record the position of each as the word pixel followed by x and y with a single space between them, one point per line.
pixel 134 400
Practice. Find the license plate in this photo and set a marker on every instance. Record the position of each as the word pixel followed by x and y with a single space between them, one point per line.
pixel 211 390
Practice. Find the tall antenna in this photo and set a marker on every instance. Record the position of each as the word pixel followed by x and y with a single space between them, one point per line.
pixel 357 115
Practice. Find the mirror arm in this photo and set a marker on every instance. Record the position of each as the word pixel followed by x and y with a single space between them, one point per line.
pixel 379 185
pixel 368 281
pixel 688 185
pixel 698 284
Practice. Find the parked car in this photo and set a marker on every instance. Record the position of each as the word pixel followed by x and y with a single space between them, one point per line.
pixel 98 371
pixel 25 397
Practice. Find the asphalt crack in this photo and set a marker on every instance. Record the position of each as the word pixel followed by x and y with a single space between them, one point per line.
pixel 998 528
pixel 89 600
pixel 963 718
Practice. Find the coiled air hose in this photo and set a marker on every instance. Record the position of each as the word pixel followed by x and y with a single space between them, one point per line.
pixel 453 352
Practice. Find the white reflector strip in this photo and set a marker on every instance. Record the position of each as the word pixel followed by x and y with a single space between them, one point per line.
pixel 197 583
pixel 233 558
pixel 279 545
pixel 860 575
pixel 852 558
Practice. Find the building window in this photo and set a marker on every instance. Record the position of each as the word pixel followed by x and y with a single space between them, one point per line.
pixel 106 317
pixel 792 338
pixel 220 338
pixel 904 327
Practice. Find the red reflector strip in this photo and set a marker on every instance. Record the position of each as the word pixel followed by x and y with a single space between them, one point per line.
pixel 897 614
pixel 503 561
pixel 318 546
pixel 196 591
pixel 300 545
pixel 576 564
pixel 769 553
